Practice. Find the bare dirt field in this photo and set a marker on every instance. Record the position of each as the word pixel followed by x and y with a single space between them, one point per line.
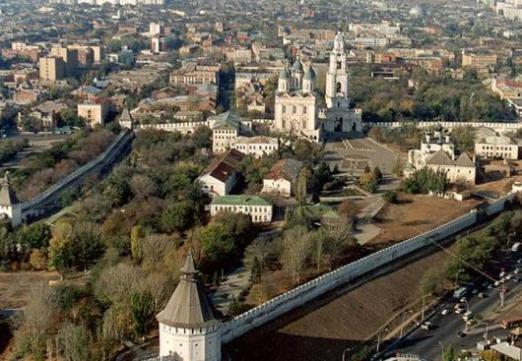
pixel 15 287
pixel 323 333
pixel 415 214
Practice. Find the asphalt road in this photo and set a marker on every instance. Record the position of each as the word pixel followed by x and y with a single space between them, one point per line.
pixel 426 344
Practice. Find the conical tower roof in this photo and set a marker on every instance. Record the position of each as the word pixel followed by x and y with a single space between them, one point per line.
pixel 188 307
pixel 7 194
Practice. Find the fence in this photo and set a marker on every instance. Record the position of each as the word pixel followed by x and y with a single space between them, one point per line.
pixel 108 155
pixel 329 281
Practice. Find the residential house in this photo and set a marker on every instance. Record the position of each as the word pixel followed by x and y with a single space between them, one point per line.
pixel 221 176
pixel 282 177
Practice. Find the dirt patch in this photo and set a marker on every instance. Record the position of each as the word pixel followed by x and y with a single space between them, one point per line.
pixel 15 287
pixel 415 214
pixel 323 333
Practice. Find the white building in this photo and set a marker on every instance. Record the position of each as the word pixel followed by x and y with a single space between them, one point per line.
pixel 430 144
pixel 282 177
pixel 221 176
pixel 497 147
pixel 256 146
pixel 461 170
pixel 259 210
pixel 296 101
pixel 188 328
pixel 9 204
pixel 225 129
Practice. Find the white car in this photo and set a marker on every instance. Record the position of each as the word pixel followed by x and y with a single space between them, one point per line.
pixel 463 300
pixel 459 310
pixel 516 270
pixel 444 312
pixel 497 283
pixel 501 274
pixel 508 277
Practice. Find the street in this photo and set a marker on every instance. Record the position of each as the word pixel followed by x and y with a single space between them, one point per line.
pixel 427 344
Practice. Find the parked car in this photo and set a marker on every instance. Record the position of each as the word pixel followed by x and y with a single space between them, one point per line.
pixel 461 334
pixel 426 326
pixel 459 310
pixel 444 312
pixel 482 295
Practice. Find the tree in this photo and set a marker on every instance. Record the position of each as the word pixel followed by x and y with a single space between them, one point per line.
pixel 449 353
pixel 38 259
pixel 142 308
pixel 74 246
pixel 137 235
pixel 255 272
pixel 390 197
pixel 296 250
pixel 74 342
pixel 142 186
pixel 178 217
pixel 302 185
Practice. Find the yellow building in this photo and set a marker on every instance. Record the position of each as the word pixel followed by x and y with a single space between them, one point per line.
pixel 52 68
pixel 93 113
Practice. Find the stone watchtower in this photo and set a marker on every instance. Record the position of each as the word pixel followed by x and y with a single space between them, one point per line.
pixel 10 207
pixel 188 329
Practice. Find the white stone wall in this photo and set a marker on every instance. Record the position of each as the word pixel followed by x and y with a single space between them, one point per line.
pixel 190 344
pixel 500 127
pixel 297 297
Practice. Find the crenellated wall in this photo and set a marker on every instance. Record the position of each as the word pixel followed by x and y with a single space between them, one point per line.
pixel 299 296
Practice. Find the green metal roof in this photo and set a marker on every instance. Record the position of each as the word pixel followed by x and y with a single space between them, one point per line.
pixel 241 200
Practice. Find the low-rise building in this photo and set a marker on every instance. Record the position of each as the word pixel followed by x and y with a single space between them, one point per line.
pixel 93 113
pixel 497 147
pixel 282 177
pixel 220 177
pixel 256 146
pixel 259 210
pixel 461 170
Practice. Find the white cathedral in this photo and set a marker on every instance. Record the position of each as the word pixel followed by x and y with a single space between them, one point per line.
pixel 297 110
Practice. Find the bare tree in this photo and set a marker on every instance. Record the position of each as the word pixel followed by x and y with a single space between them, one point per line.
pixel 296 251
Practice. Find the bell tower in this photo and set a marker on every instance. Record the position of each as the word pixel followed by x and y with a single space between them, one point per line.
pixel 337 76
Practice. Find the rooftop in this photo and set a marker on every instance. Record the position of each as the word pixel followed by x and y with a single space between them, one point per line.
pixel 241 200
pixel 188 307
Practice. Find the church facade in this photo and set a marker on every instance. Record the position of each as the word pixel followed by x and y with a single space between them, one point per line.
pixel 298 109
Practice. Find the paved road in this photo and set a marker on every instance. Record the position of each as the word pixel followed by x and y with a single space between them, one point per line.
pixel 426 343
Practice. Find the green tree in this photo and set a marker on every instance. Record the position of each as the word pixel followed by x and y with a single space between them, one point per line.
pixel 142 308
pixel 137 235
pixel 178 217
pixel 301 190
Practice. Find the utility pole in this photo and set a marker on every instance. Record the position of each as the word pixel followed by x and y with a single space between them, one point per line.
pixel 344 352
pixel 502 295
pixel 423 306
pixel 378 342
pixel 402 323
